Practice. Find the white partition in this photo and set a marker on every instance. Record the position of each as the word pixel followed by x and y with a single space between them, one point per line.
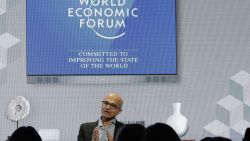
pixel 9 48
pixel 229 110
pixel 2 5
pixel 239 86
pixel 3 73
pixel 216 128
pixel 50 134
pixel 2 18
pixel 238 130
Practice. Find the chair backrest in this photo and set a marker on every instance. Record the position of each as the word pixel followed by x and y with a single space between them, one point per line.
pixel 49 134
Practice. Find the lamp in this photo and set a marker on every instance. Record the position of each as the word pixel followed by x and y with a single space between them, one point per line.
pixel 18 108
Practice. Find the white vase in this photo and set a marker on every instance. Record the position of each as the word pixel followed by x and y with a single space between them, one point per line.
pixel 177 121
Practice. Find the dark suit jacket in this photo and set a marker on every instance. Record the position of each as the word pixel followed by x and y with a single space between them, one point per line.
pixel 86 130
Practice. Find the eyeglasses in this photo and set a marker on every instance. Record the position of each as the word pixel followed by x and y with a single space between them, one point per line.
pixel 111 105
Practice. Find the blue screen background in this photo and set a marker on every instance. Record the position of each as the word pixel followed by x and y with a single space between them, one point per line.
pixel 53 37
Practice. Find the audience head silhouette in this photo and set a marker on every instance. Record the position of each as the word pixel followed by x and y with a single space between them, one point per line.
pixel 160 132
pixel 215 139
pixel 25 134
pixel 247 135
pixel 130 132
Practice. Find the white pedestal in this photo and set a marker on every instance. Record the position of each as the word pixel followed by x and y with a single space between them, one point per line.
pixel 50 134
pixel 229 110
pixel 239 86
pixel 238 130
pixel 246 108
pixel 9 48
pixel 216 128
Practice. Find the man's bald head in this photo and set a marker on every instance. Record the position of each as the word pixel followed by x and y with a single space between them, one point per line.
pixel 111 106
pixel 115 98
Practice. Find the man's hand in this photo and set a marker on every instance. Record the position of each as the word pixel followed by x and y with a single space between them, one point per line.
pixel 110 138
pixel 95 136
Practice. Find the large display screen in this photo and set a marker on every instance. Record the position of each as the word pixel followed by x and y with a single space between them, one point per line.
pixel 101 37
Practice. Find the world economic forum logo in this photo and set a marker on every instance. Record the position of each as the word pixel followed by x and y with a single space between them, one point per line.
pixel 106 18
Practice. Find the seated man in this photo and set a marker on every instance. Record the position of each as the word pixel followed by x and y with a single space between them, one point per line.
pixel 106 127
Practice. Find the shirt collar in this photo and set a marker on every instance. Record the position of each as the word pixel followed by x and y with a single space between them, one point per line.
pixel 100 124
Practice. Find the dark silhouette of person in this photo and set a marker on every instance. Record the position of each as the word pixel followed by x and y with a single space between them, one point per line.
pixel 247 135
pixel 130 132
pixel 160 132
pixel 215 139
pixel 25 134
